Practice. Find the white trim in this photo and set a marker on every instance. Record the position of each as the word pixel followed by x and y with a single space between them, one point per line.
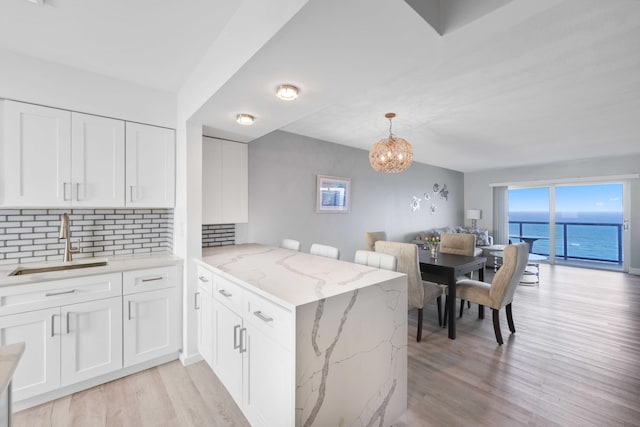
pixel 92 382
pixel 582 180
pixel 189 360
pixel 635 271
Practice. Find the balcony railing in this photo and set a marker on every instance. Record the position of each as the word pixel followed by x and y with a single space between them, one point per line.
pixel 574 240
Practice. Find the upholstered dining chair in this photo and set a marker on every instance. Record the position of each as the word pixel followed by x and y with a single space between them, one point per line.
pixel 499 293
pixel 371 237
pixel 458 244
pixel 290 244
pixel 420 293
pixel 376 259
pixel 325 251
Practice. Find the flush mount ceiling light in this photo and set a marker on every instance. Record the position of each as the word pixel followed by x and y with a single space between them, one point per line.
pixel 245 119
pixel 392 154
pixel 287 92
pixel 38 2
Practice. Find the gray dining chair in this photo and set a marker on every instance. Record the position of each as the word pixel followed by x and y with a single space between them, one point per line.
pixel 458 244
pixel 499 293
pixel 371 237
pixel 376 259
pixel 420 292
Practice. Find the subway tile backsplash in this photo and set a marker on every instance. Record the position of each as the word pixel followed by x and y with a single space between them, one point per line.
pixel 31 235
pixel 218 235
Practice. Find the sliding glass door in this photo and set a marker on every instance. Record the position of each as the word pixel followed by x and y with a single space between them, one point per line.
pixel 571 224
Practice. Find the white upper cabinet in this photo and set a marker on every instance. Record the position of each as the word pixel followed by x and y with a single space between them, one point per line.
pixel 56 158
pixel 36 156
pixel 225 187
pixel 97 161
pixel 150 166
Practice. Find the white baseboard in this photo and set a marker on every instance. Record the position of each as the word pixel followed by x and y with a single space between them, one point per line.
pixel 635 271
pixel 188 360
pixel 73 388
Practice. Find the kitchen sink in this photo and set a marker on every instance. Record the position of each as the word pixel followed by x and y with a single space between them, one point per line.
pixel 46 269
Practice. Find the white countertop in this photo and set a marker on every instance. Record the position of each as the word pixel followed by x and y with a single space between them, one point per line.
pixel 292 278
pixel 114 264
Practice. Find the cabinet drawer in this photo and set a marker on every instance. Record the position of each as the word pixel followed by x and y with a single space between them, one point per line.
pixel 270 319
pixel 228 293
pixel 205 279
pixel 149 279
pixel 36 296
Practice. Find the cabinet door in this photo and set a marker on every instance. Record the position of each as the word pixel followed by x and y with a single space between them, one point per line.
pixel 97 161
pixel 211 181
pixel 235 184
pixel 151 325
pixel 150 166
pixel 225 182
pixel 91 339
pixel 37 156
pixel 268 381
pixel 39 369
pixel 204 306
pixel 227 359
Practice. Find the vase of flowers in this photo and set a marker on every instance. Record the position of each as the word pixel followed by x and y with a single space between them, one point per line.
pixel 432 244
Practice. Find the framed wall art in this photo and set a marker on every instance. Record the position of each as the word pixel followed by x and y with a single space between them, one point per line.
pixel 333 194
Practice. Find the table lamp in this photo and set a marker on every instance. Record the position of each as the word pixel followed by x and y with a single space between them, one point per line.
pixel 474 215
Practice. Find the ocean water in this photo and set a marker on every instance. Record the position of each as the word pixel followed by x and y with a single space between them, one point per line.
pixel 589 235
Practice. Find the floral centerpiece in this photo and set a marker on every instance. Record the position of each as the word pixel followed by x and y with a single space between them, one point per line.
pixel 432 243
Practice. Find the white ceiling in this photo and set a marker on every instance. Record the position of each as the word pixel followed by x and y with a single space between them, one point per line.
pixel 515 83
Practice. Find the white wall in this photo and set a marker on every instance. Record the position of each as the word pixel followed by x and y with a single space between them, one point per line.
pixel 478 193
pixel 28 79
pixel 282 192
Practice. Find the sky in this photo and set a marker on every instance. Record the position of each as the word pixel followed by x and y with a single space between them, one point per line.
pixel 578 198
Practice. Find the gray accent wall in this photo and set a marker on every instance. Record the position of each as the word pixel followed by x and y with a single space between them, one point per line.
pixel 282 195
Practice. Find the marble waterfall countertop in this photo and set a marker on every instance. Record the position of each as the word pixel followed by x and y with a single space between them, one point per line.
pixel 9 358
pixel 114 264
pixel 293 278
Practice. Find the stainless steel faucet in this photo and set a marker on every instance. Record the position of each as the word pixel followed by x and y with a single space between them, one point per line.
pixel 64 234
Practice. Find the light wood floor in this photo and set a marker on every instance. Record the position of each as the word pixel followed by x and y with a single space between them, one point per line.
pixel 574 361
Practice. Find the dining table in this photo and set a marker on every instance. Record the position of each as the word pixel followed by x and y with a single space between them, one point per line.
pixel 444 269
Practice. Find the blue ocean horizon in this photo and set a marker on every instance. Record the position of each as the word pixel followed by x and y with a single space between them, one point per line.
pixel 600 241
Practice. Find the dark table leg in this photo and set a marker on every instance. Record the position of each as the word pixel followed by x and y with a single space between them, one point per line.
pixel 452 305
pixel 481 273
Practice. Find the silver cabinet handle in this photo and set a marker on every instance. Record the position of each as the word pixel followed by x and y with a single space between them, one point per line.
pixel 129 309
pixel 53 324
pixel 235 337
pixel 64 191
pixel 152 279
pixel 196 306
pixel 68 313
pixel 225 293
pixel 50 294
pixel 78 191
pixel 262 317
pixel 131 193
pixel 203 279
pixel 242 332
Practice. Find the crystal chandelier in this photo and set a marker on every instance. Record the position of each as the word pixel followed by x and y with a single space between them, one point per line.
pixel 392 154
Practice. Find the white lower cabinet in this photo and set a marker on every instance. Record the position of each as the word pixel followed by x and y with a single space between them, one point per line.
pixel 91 338
pixel 151 325
pixel 75 329
pixel 39 369
pixel 268 393
pixel 252 356
pixel 204 306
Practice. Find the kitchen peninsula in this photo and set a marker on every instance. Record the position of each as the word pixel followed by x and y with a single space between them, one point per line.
pixel 303 340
